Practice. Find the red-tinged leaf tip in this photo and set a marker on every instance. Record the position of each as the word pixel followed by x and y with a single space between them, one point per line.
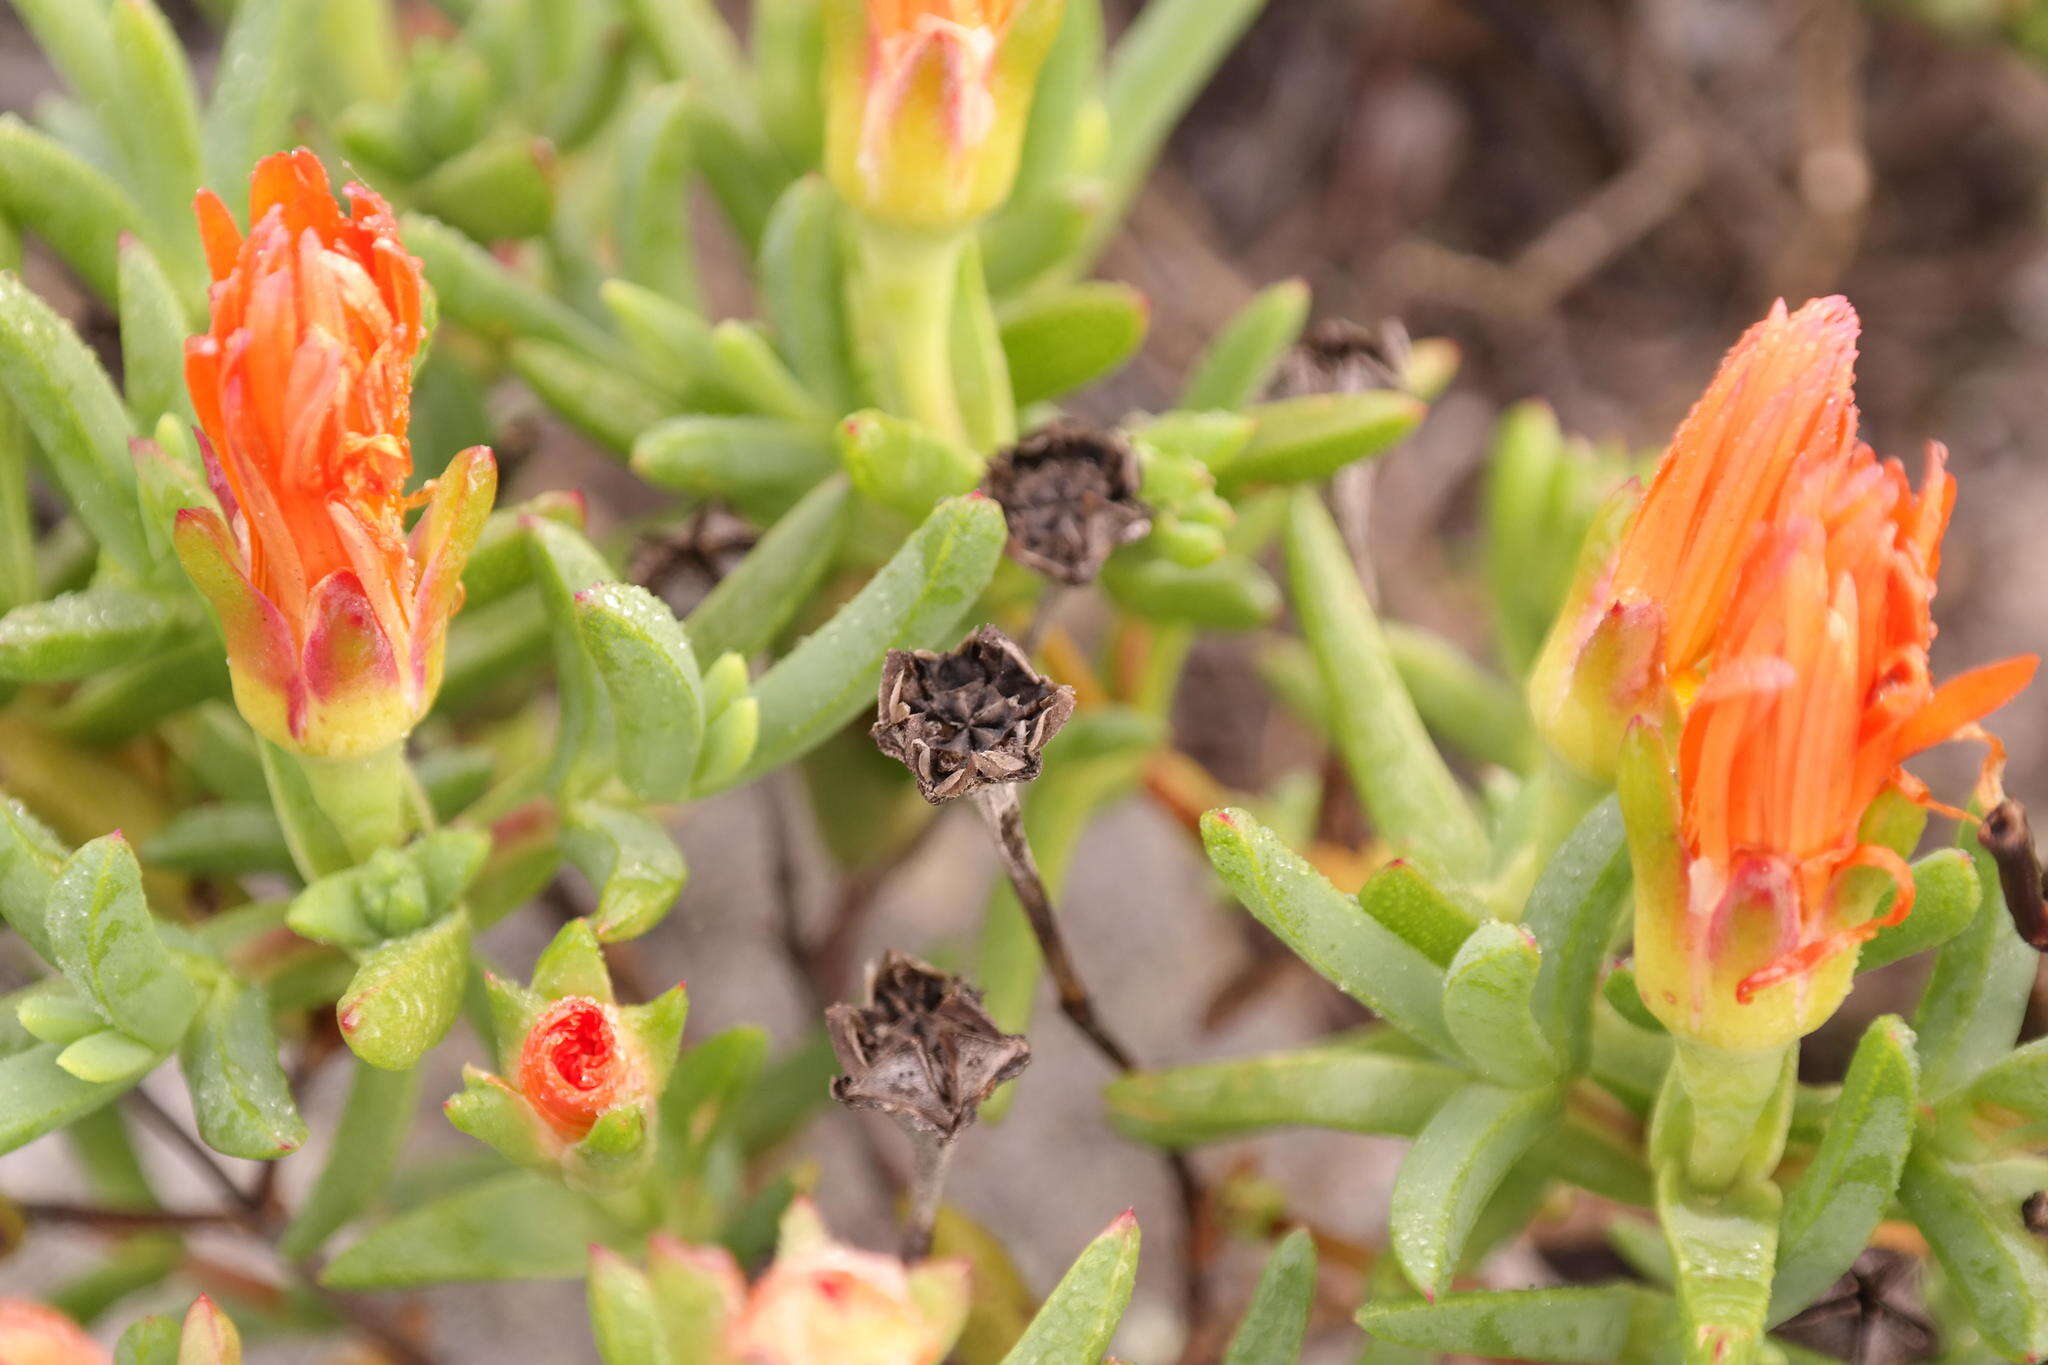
pixel 349 1019
pixel 1125 1222
pixel 598 1251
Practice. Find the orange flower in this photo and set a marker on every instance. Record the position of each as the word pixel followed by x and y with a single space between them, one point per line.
pixel 1646 611
pixel 573 1068
pixel 928 102
pixel 36 1334
pixel 334 617
pixel 1788 574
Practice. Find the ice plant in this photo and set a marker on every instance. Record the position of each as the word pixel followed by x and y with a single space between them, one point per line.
pixel 928 101
pixel 580 1073
pixel 335 617
pixel 32 1333
pixel 1641 623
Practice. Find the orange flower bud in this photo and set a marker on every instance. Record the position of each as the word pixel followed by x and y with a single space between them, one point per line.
pixel 334 617
pixel 36 1334
pixel 928 101
pixel 822 1300
pixel 1795 618
pixel 574 1066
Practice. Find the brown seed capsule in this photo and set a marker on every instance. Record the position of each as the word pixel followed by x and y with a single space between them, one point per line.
pixel 1070 495
pixel 961 721
pixel 1873 1313
pixel 2007 837
pixel 922 1048
pixel 683 565
pixel 1340 356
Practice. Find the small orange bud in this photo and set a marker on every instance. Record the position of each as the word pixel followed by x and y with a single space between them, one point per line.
pixel 36 1334
pixel 572 1067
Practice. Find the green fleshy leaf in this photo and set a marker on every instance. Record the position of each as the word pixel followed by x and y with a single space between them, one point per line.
pixel 1068 338
pixel 30 858
pixel 751 605
pixel 652 226
pixel 256 89
pixel 1472 710
pixel 1946 891
pixel 67 202
pixel 564 566
pixel 489 1110
pixel 1487 993
pixel 108 1057
pixel 1997 1268
pixel 610 405
pixel 1272 1329
pixel 1408 791
pixel 37 1096
pixel 1081 1314
pixel 902 465
pixel 692 1287
pixel 1338 1088
pixel 1327 929
pixel 1723 1248
pixel 631 860
pixel 656 690
pixel 239 1091
pixel 915 602
pixel 156 126
pixel 1300 440
pixel 573 964
pixel 623 1316
pixel 2018 1082
pixel 745 365
pixel 1837 1201
pixel 1228 594
pixel 1456 1163
pixel 475 289
pixel 762 465
pixel 1573 911
pixel 154 322
pixel 209 1336
pixel 149 1341
pixel 1240 362
pixel 233 839
pixel 521 1226
pixel 803 284
pixel 375 1123
pixel 1403 898
pixel 130 699
pixel 82 633
pixel 501 188
pixel 1974 1000
pixel 104 940
pixel 1598 1324
pixel 406 994
pixel 71 406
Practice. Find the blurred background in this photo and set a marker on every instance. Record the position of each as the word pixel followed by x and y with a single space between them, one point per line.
pixel 1593 198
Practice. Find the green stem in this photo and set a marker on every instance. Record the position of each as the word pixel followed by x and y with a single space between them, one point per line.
pixel 1725 1114
pixel 338 811
pixel 903 290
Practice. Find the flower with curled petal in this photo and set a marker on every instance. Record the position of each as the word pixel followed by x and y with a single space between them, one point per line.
pixel 335 617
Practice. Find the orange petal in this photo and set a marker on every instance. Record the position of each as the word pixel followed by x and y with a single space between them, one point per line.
pixel 1964 700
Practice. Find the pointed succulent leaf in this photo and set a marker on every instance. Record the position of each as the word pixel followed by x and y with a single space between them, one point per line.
pixel 208 1336
pixel 1326 928
pixel 1232 593
pixel 154 322
pixel 609 404
pixel 1243 358
pixel 492 1112
pixel 1723 1247
pixel 38 1096
pixel 1834 1206
pixel 149 1341
pixel 1346 1089
pixel 656 690
pixel 916 601
pixel 239 1091
pixel 1081 1314
pixel 53 1012
pixel 257 89
pixel 631 860
pixel 902 465
pixel 564 565
pixel 103 938
pixel 751 605
pixel 1271 1331
pixel 1487 993
pixel 108 1057
pixel 1971 1008
pixel 375 1122
pixel 519 1226
pixel 761 465
pixel 361 907
pixel 79 423
pixel 1402 897
pixel 697 1290
pixel 1945 895
pixel 1597 1325
pixel 1574 911
pixel 1300 440
pixel 1998 1269
pixel 1065 339
pixel 657 1028
pixel 803 285
pixel 1407 789
pixel 30 859
pixel 573 964
pixel 652 233
pixel 406 994
pixel 623 1316
pixel 1456 1163
pixel 60 197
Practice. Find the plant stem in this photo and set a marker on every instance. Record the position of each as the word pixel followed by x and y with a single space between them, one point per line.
pixel 934 1158
pixel 1729 1114
pixel 1005 818
pixel 903 291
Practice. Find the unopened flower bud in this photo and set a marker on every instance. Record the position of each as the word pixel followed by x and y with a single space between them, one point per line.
pixel 922 1049
pixel 973 718
pixel 1070 495
pixel 35 1334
